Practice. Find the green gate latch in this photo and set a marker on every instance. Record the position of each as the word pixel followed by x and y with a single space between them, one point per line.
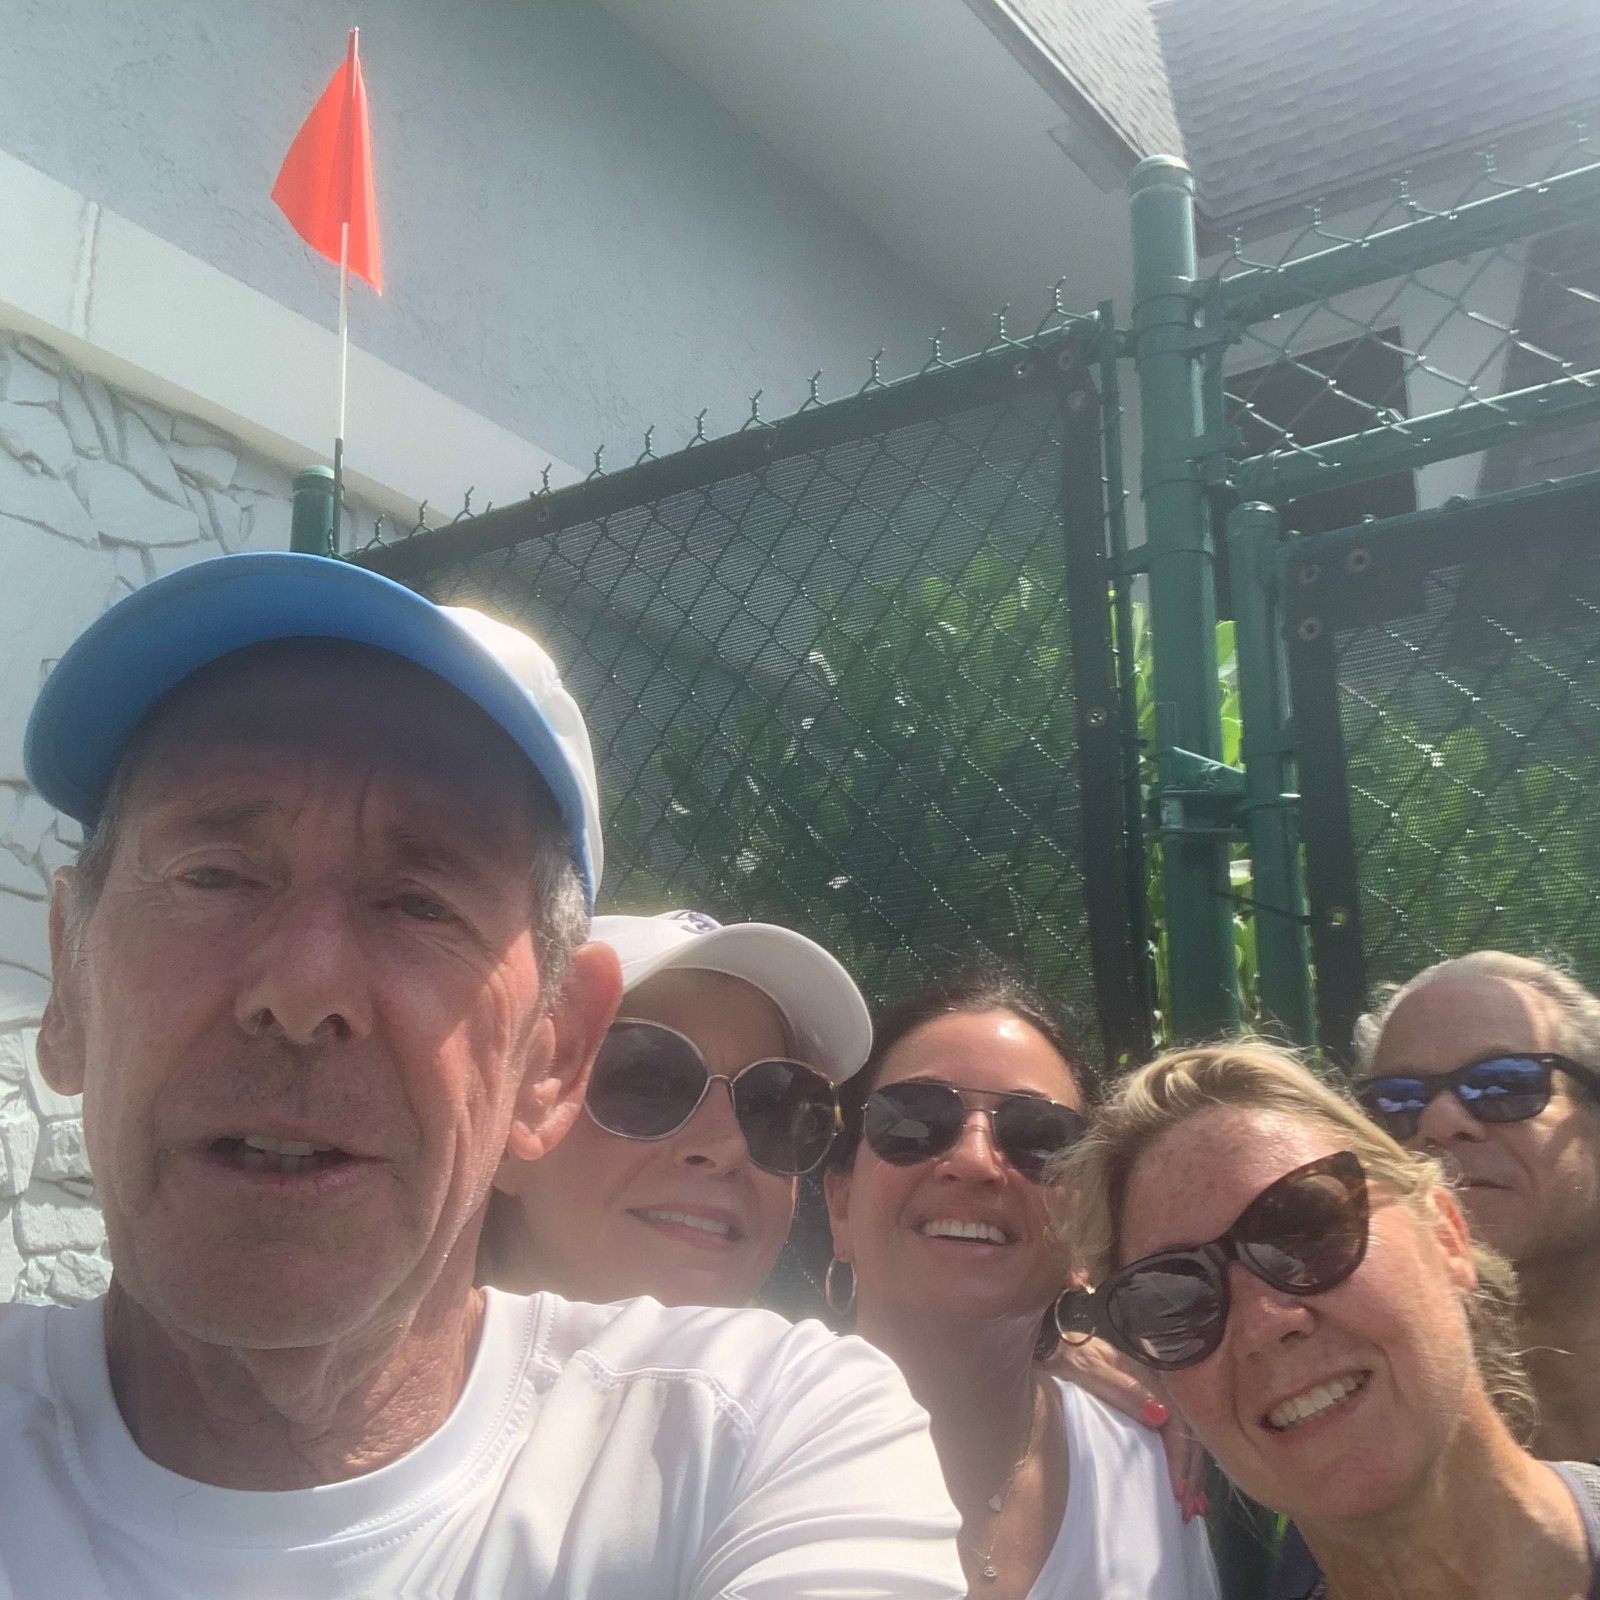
pixel 1196 796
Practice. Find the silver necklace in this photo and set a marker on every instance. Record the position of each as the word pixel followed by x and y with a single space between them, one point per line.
pixel 1001 1498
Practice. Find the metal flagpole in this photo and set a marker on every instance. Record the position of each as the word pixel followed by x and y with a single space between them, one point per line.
pixel 344 374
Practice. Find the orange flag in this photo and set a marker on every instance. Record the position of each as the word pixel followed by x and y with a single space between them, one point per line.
pixel 326 178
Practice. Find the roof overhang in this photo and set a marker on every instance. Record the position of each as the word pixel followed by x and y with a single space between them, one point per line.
pixel 925 124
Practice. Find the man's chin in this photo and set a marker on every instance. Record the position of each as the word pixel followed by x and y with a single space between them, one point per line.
pixel 246 1304
pixel 1495 1215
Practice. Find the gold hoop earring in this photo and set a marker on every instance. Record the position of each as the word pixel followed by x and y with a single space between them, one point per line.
pixel 830 1292
pixel 1073 1315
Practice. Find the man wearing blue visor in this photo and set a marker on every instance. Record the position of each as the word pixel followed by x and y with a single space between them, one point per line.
pixel 323 959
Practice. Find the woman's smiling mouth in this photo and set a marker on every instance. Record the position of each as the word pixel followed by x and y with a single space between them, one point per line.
pixel 700 1227
pixel 1315 1402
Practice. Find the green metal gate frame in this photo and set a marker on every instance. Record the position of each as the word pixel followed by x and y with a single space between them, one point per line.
pixel 1371 575
pixel 1183 327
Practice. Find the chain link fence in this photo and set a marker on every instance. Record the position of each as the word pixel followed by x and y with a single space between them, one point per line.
pixel 1442 351
pixel 833 666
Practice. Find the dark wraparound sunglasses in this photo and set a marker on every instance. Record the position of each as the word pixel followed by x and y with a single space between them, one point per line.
pixel 1304 1234
pixel 920 1118
pixel 649 1080
pixel 1497 1088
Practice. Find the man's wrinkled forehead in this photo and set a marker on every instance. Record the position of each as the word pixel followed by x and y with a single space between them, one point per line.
pixel 1458 1018
pixel 330 700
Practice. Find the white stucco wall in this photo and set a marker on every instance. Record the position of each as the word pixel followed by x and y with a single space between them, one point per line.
pixel 578 243
pixel 99 493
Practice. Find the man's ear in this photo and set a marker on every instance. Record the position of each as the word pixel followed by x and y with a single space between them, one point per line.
pixel 836 1188
pixel 61 1051
pixel 552 1093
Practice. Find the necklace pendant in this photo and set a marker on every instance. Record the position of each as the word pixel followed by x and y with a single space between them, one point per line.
pixel 989 1573
pixel 995 1503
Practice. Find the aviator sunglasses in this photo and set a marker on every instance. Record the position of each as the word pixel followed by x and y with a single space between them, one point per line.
pixel 649 1080
pixel 920 1118
pixel 1497 1088
pixel 1304 1234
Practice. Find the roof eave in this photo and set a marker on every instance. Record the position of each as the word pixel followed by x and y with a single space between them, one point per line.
pixel 1105 152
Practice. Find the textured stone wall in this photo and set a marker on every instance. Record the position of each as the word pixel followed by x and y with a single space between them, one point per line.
pixel 99 492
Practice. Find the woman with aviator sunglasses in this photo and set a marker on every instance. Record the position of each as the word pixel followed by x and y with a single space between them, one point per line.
pixel 714 1091
pixel 1309 1297
pixel 937 1199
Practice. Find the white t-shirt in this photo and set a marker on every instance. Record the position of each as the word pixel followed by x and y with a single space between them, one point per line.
pixel 625 1452
pixel 1123 1536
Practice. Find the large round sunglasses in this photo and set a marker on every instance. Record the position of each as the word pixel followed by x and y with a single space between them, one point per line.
pixel 920 1118
pixel 649 1080
pixel 1304 1234
pixel 1497 1088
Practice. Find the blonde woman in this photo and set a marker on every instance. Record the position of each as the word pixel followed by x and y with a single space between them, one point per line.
pixel 1305 1292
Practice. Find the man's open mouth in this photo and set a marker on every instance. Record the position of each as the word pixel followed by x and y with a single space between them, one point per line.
pixel 260 1152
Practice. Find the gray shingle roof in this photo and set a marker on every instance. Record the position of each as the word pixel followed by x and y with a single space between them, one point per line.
pixel 1284 100
pixel 1108 51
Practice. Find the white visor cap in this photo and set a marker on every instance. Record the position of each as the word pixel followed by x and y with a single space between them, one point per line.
pixel 827 1016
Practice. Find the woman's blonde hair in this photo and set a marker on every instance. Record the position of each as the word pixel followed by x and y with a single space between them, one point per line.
pixel 1257 1076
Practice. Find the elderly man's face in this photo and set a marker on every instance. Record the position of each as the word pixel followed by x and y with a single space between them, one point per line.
pixel 1531 1189
pixel 306 1008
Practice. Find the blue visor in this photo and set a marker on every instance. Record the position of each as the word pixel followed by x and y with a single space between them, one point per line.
pixel 146 645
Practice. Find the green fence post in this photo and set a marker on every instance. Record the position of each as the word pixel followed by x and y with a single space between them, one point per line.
pixel 311 523
pixel 1203 977
pixel 1283 965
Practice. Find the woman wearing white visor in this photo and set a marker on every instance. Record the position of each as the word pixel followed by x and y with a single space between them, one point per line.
pixel 713 1093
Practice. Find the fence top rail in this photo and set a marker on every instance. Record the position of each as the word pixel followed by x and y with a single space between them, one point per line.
pixel 1407 443
pixel 1576 495
pixel 1263 290
pixel 1063 344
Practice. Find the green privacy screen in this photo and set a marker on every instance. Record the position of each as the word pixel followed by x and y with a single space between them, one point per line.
pixel 1446 672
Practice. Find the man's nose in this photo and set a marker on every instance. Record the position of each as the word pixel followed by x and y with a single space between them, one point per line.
pixel 307 979
pixel 1446 1121
pixel 712 1139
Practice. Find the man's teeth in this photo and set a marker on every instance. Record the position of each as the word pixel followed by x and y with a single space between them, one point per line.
pixel 723 1230
pixel 260 1152
pixel 283 1147
pixel 1314 1402
pixel 949 1228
